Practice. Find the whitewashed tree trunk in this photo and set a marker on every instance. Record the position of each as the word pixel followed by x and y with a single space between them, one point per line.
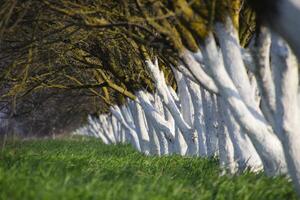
pixel 153 139
pixel 266 143
pixel 286 22
pixel 156 118
pixel 198 72
pixel 264 75
pixel 229 43
pixel 115 128
pixel 123 133
pixel 101 133
pixel 164 93
pixel 163 141
pixel 102 123
pixel 285 67
pixel 131 130
pixel 179 145
pixel 215 113
pixel 174 96
pixel 171 122
pixel 199 121
pixel 141 127
pixel 245 154
pixel 226 149
pixel 108 128
pixel 209 118
pixel 119 134
pixel 127 116
pixel 187 109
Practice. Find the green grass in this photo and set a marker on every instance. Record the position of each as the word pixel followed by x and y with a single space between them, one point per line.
pixel 86 169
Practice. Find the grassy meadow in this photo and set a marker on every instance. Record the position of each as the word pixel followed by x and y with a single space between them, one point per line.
pixel 82 168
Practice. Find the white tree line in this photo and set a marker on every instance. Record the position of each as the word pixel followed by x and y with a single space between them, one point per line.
pixel 239 104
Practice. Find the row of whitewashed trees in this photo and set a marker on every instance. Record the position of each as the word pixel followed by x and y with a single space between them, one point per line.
pixel 238 104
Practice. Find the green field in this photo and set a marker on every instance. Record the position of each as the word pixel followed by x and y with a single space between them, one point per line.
pixel 87 169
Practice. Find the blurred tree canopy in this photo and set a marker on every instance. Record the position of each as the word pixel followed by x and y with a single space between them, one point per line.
pixel 63 59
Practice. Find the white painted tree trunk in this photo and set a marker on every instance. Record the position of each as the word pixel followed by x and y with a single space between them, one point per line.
pixel 107 126
pixel 198 72
pixel 226 149
pixel 209 118
pixel 264 76
pixel 266 143
pixel 179 145
pixel 95 126
pixel 105 132
pixel 199 121
pixel 141 127
pixel 285 67
pixel 163 141
pixel 153 139
pixel 131 130
pixel 245 154
pixel 169 118
pixel 286 23
pixel 187 110
pixel 115 128
pixel 157 119
pixel 164 93
pixel 123 134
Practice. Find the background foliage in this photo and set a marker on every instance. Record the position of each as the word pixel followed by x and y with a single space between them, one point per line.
pixel 62 60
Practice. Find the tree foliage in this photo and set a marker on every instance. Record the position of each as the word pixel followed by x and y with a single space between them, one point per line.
pixel 94 50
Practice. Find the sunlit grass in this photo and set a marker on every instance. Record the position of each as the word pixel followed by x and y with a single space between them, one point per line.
pixel 87 169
